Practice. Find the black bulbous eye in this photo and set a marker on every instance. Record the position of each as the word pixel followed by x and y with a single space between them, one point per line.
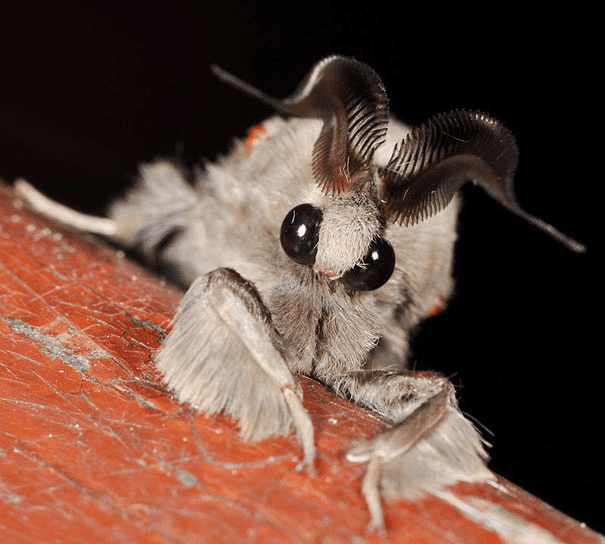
pixel 300 232
pixel 379 264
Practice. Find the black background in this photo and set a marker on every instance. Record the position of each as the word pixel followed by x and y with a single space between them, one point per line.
pixel 88 92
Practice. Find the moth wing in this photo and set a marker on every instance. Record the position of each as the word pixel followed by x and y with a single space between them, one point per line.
pixel 225 355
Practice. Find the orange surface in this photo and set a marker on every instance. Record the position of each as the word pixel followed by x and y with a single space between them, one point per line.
pixel 94 449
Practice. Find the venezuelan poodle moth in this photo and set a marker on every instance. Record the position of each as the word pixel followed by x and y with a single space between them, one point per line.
pixel 315 247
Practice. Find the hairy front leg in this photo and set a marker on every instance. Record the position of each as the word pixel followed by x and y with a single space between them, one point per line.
pixel 430 445
pixel 225 355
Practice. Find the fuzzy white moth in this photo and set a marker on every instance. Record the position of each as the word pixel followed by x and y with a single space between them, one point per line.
pixel 312 249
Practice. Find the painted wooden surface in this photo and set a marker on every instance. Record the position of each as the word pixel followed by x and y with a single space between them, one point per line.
pixel 94 449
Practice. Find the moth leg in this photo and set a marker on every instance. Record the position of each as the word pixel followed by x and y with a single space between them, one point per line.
pixel 225 355
pixel 431 445
pixel 371 492
pixel 60 213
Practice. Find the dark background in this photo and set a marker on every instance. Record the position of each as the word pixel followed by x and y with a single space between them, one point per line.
pixel 88 92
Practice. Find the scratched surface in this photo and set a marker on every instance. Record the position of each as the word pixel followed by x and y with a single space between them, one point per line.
pixel 94 449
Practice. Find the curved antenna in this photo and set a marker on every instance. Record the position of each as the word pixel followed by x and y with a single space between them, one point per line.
pixel 349 97
pixel 440 156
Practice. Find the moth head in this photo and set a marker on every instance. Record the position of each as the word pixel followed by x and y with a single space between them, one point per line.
pixel 340 241
pixel 343 238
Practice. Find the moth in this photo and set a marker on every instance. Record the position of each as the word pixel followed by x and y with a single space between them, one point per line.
pixel 316 247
